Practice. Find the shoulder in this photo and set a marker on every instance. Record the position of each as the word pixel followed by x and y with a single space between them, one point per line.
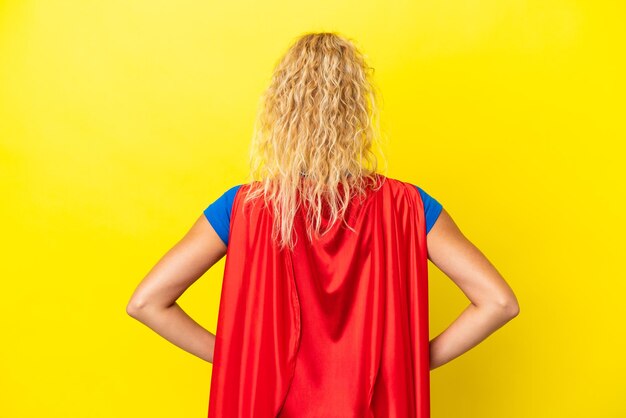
pixel 225 200
pixel 229 195
pixel 219 210
pixel 397 183
pixel 432 206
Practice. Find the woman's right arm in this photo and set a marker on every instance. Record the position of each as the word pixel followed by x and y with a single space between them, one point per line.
pixel 493 302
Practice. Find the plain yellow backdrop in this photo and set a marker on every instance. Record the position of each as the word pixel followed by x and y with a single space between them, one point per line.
pixel 121 121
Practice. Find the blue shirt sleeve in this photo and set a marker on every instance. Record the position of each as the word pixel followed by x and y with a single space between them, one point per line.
pixel 218 213
pixel 432 208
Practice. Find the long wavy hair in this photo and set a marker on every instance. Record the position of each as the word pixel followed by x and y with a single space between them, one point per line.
pixel 314 133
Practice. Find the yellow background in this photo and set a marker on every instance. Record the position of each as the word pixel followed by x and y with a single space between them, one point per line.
pixel 121 121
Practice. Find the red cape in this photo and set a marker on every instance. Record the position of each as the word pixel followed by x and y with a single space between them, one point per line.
pixel 339 327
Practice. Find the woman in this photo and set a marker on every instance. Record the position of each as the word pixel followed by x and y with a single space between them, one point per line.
pixel 324 304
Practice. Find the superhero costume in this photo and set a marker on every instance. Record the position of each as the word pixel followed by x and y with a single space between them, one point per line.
pixel 339 327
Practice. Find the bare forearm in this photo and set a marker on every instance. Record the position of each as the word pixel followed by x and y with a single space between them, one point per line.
pixel 471 327
pixel 173 324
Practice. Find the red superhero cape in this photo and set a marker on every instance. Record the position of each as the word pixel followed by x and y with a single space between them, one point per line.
pixel 339 327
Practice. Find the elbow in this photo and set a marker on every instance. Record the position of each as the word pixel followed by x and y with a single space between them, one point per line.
pixel 134 308
pixel 506 308
pixel 141 306
pixel 510 307
pixel 131 309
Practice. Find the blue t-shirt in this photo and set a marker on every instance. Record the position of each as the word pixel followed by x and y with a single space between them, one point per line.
pixel 218 212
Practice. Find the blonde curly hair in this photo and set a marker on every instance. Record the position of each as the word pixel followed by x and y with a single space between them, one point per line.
pixel 313 135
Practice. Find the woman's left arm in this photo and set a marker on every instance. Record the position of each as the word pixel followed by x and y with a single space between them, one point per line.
pixel 154 300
